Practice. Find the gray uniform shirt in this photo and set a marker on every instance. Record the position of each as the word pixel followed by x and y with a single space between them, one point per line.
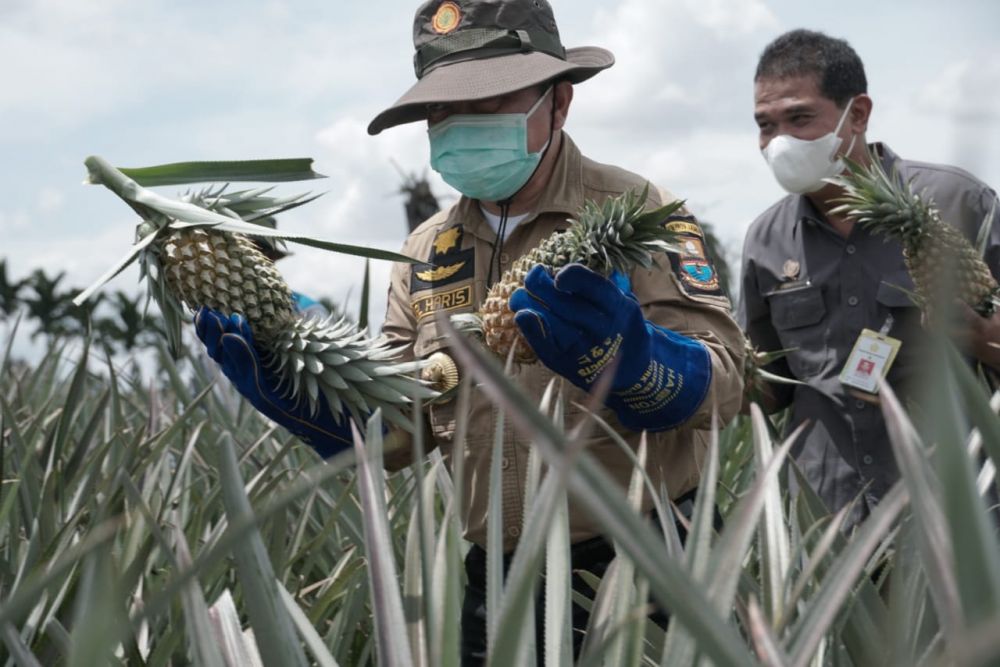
pixel 807 287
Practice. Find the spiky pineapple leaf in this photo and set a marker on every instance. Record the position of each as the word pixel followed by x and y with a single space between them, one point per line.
pixel 184 214
pixel 119 266
pixel 180 173
pixel 983 237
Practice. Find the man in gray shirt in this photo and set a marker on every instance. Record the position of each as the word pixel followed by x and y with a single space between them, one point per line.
pixel 813 280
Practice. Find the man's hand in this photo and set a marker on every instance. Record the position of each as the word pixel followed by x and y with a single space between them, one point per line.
pixel 230 343
pixel 979 335
pixel 578 323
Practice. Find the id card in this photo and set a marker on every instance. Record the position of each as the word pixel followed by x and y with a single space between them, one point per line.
pixel 870 360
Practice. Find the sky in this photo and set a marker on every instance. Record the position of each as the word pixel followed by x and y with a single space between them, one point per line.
pixel 144 82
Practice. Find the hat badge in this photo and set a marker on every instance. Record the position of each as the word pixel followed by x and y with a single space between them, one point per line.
pixel 446 18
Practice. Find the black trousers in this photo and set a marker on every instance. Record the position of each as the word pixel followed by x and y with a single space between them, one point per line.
pixel 593 555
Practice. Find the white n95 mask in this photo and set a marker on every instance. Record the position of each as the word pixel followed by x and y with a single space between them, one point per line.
pixel 800 165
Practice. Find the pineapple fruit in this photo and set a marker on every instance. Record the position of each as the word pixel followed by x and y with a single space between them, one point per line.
pixel 198 252
pixel 931 246
pixel 616 235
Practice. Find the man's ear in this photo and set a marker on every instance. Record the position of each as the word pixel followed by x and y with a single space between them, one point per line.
pixel 861 111
pixel 562 97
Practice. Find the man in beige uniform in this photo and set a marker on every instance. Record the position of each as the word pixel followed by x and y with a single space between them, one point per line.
pixel 502 64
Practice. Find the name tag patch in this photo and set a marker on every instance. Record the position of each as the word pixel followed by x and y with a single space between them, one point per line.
pixel 455 299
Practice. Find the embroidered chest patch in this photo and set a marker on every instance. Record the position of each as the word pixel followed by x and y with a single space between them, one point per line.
pixel 447 267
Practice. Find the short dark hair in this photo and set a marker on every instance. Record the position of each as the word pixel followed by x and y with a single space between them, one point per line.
pixel 838 69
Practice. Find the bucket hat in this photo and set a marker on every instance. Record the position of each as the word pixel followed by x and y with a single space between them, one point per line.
pixel 476 49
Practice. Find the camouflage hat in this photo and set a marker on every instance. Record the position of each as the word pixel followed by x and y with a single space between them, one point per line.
pixel 476 49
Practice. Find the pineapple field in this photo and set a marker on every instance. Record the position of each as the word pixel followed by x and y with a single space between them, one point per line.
pixel 162 521
pixel 151 516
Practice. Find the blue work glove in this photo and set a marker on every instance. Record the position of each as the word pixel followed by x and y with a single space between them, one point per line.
pixel 579 322
pixel 230 343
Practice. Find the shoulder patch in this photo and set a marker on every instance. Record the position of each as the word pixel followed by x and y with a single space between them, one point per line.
pixel 692 264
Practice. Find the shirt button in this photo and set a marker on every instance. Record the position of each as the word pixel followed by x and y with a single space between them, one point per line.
pixel 504 463
pixel 867 460
pixel 860 405
pixel 514 531
pixel 851 249
pixel 853 301
pixel 504 258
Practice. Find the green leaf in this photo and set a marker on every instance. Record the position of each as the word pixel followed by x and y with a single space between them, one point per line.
pixel 390 621
pixel 119 266
pixel 842 577
pixel 494 536
pixel 17 649
pixel 971 527
pixel 932 530
pixel 775 556
pixel 315 643
pixel 273 627
pixel 204 650
pixel 181 173
pixel 365 298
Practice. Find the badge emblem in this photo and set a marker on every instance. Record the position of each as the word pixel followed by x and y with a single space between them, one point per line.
pixel 447 264
pixel 699 274
pixel 791 269
pixel 440 273
pixel 446 240
pixel 691 263
pixel 446 18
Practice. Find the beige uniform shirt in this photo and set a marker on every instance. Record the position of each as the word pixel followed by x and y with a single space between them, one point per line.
pixel 680 296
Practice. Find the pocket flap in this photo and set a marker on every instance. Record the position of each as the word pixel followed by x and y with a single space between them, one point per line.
pixel 894 291
pixel 797 307
pixel 429 339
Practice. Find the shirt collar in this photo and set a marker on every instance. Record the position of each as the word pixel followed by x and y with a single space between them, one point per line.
pixel 805 211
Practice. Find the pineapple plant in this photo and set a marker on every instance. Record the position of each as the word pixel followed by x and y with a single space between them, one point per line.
pixel 755 373
pixel 199 251
pixel 931 246
pixel 618 234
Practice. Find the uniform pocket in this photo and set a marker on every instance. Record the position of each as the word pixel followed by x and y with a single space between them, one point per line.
pixel 429 339
pixel 797 308
pixel 797 315
pixel 894 291
pixel 442 420
pixel 899 316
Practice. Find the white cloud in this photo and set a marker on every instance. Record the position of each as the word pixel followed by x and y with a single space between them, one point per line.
pixel 728 19
pixel 10 223
pixel 967 90
pixel 50 200
pixel 679 63
pixel 155 81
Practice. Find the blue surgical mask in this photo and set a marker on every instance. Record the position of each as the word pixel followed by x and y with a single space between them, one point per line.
pixel 485 156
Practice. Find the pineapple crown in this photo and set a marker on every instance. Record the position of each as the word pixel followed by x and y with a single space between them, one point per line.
pixel 618 234
pixel 883 202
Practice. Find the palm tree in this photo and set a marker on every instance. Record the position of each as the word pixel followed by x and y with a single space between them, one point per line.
pixel 9 292
pixel 420 201
pixel 130 326
pixel 717 253
pixel 54 309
